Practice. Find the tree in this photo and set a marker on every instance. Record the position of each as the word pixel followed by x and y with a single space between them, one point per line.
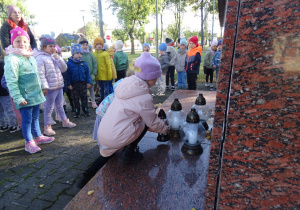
pixel 132 15
pixel 91 30
pixel 61 40
pixel 172 31
pixel 95 13
pixel 120 34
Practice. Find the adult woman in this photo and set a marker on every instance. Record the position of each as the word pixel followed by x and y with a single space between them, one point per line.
pixel 14 20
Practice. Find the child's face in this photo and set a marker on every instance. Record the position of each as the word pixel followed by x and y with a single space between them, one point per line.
pixel 151 82
pixel 182 47
pixel 49 48
pixel 99 46
pixel 146 48
pixel 114 49
pixel 214 47
pixel 220 47
pixel 77 55
pixel 192 45
pixel 21 42
pixel 162 52
pixel 85 46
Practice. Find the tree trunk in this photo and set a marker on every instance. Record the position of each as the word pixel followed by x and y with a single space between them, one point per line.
pixel 161 28
pixel 132 42
pixel 202 39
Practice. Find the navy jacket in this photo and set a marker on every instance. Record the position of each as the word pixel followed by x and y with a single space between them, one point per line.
pixel 78 71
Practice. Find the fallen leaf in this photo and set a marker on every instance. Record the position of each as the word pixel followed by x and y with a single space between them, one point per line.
pixel 91 192
pixel 182 157
pixel 41 185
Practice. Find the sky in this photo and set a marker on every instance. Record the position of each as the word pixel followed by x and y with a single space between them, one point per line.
pixel 66 16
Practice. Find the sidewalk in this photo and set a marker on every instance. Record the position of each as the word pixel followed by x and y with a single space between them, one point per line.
pixel 47 179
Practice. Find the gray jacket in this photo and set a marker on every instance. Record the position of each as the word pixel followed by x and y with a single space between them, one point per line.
pixel 172 52
pixel 180 60
pixel 208 60
pixel 164 62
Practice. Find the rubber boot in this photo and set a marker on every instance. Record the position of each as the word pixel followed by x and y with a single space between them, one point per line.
pixel 130 154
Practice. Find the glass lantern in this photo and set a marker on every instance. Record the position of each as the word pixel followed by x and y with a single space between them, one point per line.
pixel 202 109
pixel 176 116
pixel 163 137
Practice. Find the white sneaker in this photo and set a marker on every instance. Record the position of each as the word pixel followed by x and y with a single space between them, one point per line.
pixel 206 84
pixel 160 94
pixel 211 85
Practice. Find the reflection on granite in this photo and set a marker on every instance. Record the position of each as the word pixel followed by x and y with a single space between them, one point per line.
pixel 165 179
pixel 260 70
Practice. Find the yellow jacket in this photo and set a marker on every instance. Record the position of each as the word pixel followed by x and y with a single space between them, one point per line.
pixel 103 65
pixel 110 51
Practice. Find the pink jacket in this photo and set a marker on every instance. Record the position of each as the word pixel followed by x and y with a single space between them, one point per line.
pixel 127 115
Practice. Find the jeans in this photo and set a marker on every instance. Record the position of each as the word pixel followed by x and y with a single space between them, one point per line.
pixel 170 74
pixel 181 78
pixel 30 122
pixel 6 109
pixel 54 98
pixel 111 87
pixel 103 88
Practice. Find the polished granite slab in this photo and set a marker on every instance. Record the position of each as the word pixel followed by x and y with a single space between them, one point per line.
pixel 165 179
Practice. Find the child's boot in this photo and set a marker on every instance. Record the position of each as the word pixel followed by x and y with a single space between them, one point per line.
pixel 68 124
pixel 43 140
pixel 77 113
pixel 48 130
pixel 131 154
pixel 31 147
pixel 86 112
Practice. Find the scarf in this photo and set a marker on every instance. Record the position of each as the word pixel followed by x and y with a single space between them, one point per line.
pixel 85 51
pixel 17 51
pixel 21 24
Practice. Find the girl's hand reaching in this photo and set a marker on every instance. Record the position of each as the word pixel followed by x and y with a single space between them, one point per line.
pixel 88 86
pixel 23 103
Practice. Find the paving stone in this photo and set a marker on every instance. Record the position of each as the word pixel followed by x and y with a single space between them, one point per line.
pixel 62 201
pixel 70 177
pixel 6 185
pixel 55 191
pixel 50 180
pixel 7 197
pixel 40 204
pixel 23 174
pixel 14 207
pixel 45 171
pixel 73 190
pixel 83 165
pixel 27 198
pixel 26 185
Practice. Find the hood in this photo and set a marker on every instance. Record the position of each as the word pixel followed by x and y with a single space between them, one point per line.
pixel 131 87
pixel 195 50
pixel 110 51
pixel 74 60
pixel 37 53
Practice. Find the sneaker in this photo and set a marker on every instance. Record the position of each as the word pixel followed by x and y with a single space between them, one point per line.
pixel 4 128
pixel 14 129
pixel 213 89
pixel 206 84
pixel 173 88
pixel 52 122
pixel 48 131
pixel 68 124
pixel 167 87
pixel 86 112
pixel 31 147
pixel 130 155
pixel 77 114
pixel 158 89
pixel 211 85
pixel 160 94
pixel 43 140
pixel 94 105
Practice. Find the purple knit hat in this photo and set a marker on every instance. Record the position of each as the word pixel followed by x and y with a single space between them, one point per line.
pixel 149 67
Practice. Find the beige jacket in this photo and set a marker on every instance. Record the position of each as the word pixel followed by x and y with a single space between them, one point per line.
pixel 127 115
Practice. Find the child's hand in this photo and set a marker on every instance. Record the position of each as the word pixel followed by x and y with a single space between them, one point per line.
pixel 214 66
pixel 55 55
pixel 88 86
pixel 23 103
pixel 45 92
pixel 70 87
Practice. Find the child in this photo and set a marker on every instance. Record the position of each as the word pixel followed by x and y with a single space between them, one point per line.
pixel 104 74
pixel 216 62
pixel 180 61
pixel 6 109
pixel 171 69
pixel 192 62
pixel 208 69
pixel 129 117
pixel 78 80
pixel 164 63
pixel 146 47
pixel 50 67
pixel 24 86
pixel 120 60
pixel 92 64
pixel 111 52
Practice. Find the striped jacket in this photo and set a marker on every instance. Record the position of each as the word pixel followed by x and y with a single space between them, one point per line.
pixel 193 60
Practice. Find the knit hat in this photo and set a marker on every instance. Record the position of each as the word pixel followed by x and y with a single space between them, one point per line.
pixel 47 40
pixel 214 43
pixel 220 42
pixel 148 67
pixel 194 39
pixel 57 48
pixel 183 41
pixel 146 44
pixel 119 45
pixel 98 40
pixel 162 47
pixel 11 8
pixel 83 40
pixel 105 47
pixel 17 32
pixel 169 42
pixel 75 48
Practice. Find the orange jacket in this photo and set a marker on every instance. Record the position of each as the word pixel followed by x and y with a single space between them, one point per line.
pixel 193 60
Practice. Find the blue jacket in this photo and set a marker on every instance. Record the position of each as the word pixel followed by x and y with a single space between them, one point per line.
pixel 216 60
pixel 78 71
pixel 193 60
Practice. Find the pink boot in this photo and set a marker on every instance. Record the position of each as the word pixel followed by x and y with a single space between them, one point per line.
pixel 68 124
pixel 48 130
pixel 31 147
pixel 43 140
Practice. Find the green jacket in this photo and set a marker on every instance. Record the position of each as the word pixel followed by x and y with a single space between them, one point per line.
pixel 120 60
pixel 89 58
pixel 23 80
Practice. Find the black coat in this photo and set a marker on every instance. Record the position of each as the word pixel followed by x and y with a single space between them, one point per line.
pixel 3 91
pixel 5 36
